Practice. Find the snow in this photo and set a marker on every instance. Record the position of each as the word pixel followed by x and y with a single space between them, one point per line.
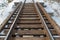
pixel 49 9
pixel 28 1
pixel 56 19
pixel 4 13
pixel 55 8
pixel 39 1
pixel 2 32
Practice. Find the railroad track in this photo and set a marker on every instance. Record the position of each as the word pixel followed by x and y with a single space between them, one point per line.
pixel 29 22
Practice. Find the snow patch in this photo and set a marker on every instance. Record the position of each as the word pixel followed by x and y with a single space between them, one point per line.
pixel 4 13
pixel 42 1
pixel 55 9
pixel 49 9
pixel 57 20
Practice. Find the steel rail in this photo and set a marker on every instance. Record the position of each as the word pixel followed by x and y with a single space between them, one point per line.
pixel 43 21
pixel 6 38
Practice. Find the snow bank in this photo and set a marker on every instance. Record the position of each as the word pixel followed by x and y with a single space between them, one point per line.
pixel 57 20
pixel 39 1
pixel 4 13
pixel 28 1
pixel 55 8
pixel 49 9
